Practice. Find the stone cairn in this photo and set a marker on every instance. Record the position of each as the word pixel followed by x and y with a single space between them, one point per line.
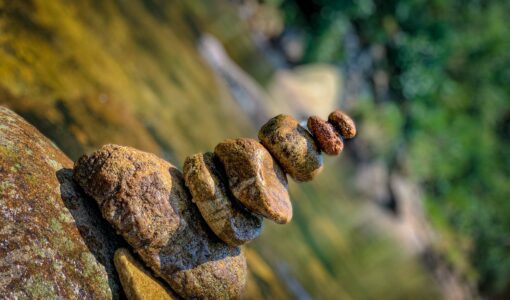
pixel 150 203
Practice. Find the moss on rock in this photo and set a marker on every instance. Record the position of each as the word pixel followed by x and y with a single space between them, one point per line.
pixel 54 242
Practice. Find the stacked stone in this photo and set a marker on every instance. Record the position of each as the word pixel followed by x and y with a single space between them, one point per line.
pixel 146 200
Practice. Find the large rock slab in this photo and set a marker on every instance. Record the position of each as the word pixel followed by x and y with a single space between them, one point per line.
pixel 53 241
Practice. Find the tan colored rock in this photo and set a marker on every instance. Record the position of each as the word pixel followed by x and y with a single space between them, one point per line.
pixel 255 178
pixel 137 282
pixel 225 216
pixel 328 139
pixel 132 188
pixel 145 200
pixel 292 146
pixel 343 123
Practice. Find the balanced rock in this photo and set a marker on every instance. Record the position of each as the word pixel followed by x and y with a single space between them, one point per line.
pixel 137 282
pixel 329 140
pixel 292 146
pixel 343 123
pixel 53 242
pixel 132 189
pixel 225 216
pixel 255 178
pixel 145 200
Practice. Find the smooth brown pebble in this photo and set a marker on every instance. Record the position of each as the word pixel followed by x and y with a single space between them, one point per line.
pixel 255 178
pixel 226 217
pixel 292 146
pixel 145 200
pixel 329 140
pixel 137 282
pixel 343 123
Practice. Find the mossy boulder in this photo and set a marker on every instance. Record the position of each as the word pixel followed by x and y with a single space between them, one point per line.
pixel 53 241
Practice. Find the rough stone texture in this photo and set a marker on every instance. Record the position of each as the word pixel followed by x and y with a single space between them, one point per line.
pixel 132 193
pixel 255 178
pixel 292 146
pixel 53 241
pixel 329 140
pixel 137 282
pixel 225 216
pixel 343 123
pixel 145 200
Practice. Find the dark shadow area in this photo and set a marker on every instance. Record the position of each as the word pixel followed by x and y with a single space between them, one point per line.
pixel 98 236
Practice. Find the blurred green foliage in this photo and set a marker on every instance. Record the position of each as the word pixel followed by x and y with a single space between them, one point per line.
pixel 448 63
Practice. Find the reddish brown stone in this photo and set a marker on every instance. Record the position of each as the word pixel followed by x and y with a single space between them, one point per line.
pixel 343 123
pixel 329 140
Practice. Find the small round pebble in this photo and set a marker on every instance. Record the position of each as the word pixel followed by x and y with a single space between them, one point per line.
pixel 327 137
pixel 343 123
pixel 292 146
pixel 225 216
pixel 255 178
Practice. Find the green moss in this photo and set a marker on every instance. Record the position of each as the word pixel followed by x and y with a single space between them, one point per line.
pixel 55 225
pixel 67 244
pixel 66 217
pixel 40 288
pixel 89 264
pixel 15 168
pixel 5 186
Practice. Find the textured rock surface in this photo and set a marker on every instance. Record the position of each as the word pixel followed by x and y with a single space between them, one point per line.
pixel 292 146
pixel 144 198
pixel 53 242
pixel 328 139
pixel 343 123
pixel 137 282
pixel 132 192
pixel 225 216
pixel 255 178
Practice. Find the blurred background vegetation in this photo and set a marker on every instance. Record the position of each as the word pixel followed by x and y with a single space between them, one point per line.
pixel 447 65
pixel 416 207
